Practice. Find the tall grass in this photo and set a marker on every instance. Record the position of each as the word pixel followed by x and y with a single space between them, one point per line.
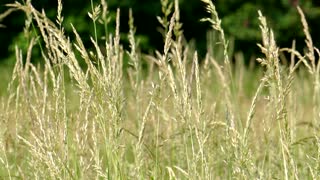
pixel 180 118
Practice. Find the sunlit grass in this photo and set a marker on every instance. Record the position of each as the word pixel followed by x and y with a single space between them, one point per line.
pixel 176 117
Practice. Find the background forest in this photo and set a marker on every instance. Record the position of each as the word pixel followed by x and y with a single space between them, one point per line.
pixel 239 20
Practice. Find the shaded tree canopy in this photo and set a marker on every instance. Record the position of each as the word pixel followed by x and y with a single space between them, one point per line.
pixel 239 19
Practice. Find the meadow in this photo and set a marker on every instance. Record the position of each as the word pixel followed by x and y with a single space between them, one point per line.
pixel 82 114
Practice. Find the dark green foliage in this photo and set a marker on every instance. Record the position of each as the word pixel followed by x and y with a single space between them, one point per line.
pixel 239 19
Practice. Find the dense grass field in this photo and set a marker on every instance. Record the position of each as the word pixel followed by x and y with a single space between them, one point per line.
pixel 170 115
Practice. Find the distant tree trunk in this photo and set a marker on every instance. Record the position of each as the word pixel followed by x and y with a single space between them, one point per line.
pixel 294 2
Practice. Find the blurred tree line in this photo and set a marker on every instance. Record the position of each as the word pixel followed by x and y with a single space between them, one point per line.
pixel 239 19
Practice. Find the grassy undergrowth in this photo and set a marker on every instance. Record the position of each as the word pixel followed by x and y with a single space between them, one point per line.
pixel 176 118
